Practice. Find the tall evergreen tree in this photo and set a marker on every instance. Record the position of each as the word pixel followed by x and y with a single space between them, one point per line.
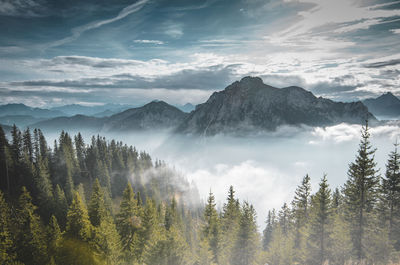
pixel 318 236
pixel 96 208
pixel 31 236
pixel 229 226
pixel 78 224
pixel 247 245
pixel 211 229
pixel 391 196
pixel 60 206
pixel 360 191
pixel 129 225
pixel 269 228
pixel 7 248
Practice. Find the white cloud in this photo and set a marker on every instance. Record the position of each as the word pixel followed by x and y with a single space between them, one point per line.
pixel 338 12
pixel 78 31
pixel 23 8
pixel 349 132
pixel 395 31
pixel 265 188
pixel 173 30
pixel 156 42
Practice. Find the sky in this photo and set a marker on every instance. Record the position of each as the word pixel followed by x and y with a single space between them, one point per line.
pixel 131 52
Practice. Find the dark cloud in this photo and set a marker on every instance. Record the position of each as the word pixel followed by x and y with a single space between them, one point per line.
pixel 210 78
pixel 383 64
pixel 23 8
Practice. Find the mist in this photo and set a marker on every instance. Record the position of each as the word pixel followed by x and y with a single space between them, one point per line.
pixel 264 169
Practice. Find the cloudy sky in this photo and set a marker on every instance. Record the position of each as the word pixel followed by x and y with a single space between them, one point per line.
pixel 128 51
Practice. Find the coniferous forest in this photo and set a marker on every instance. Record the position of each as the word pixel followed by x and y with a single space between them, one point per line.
pixel 104 202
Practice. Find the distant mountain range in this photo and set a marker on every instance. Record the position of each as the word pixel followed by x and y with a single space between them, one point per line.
pixel 154 115
pixel 249 105
pixel 385 106
pixel 96 110
pixel 21 109
pixel 246 106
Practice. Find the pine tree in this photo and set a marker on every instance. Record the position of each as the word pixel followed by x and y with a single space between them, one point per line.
pixel 44 189
pixel 7 251
pixel 318 235
pixel 269 228
pixel 248 243
pixel 285 221
pixel 172 249
pixel 211 229
pixel 360 191
pixel 300 212
pixel 391 196
pixel 229 226
pixel 60 206
pixel 129 225
pixel 54 237
pixel 31 237
pixel 96 208
pixel 4 174
pixel 340 240
pixel 78 224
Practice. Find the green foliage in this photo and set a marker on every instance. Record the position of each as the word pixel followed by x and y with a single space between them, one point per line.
pixel 318 235
pixel 171 249
pixel 211 228
pixel 391 196
pixel 160 225
pixel 31 236
pixel 360 192
pixel 248 242
pixel 130 226
pixel 78 224
pixel 7 254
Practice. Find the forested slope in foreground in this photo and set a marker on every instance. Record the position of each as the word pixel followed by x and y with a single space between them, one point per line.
pixel 107 203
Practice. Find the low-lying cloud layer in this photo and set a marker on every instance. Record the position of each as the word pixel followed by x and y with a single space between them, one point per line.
pixel 266 169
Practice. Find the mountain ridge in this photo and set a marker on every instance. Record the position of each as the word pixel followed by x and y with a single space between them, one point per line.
pixel 249 104
pixel 387 105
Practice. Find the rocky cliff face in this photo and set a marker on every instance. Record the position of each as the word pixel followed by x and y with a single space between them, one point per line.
pixel 249 105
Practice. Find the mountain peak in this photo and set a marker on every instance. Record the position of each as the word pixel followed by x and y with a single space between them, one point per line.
pixel 388 95
pixel 251 80
pixel 386 105
pixel 249 105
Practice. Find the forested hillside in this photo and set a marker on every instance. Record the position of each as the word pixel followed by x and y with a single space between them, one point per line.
pixel 104 202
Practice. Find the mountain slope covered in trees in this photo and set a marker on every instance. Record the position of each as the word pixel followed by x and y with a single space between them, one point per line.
pixel 106 203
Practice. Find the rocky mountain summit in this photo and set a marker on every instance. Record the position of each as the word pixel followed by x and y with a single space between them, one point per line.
pixel 249 105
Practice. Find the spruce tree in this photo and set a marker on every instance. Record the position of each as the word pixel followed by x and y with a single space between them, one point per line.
pixel 31 236
pixel 4 171
pixel 360 191
pixel 269 228
pixel 211 228
pixel 7 251
pixel 318 235
pixel 43 188
pixel 78 224
pixel 60 206
pixel 129 225
pixel 248 243
pixel 96 208
pixel 229 226
pixel 54 236
pixel 391 196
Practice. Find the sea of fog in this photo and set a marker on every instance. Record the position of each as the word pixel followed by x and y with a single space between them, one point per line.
pixel 263 169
